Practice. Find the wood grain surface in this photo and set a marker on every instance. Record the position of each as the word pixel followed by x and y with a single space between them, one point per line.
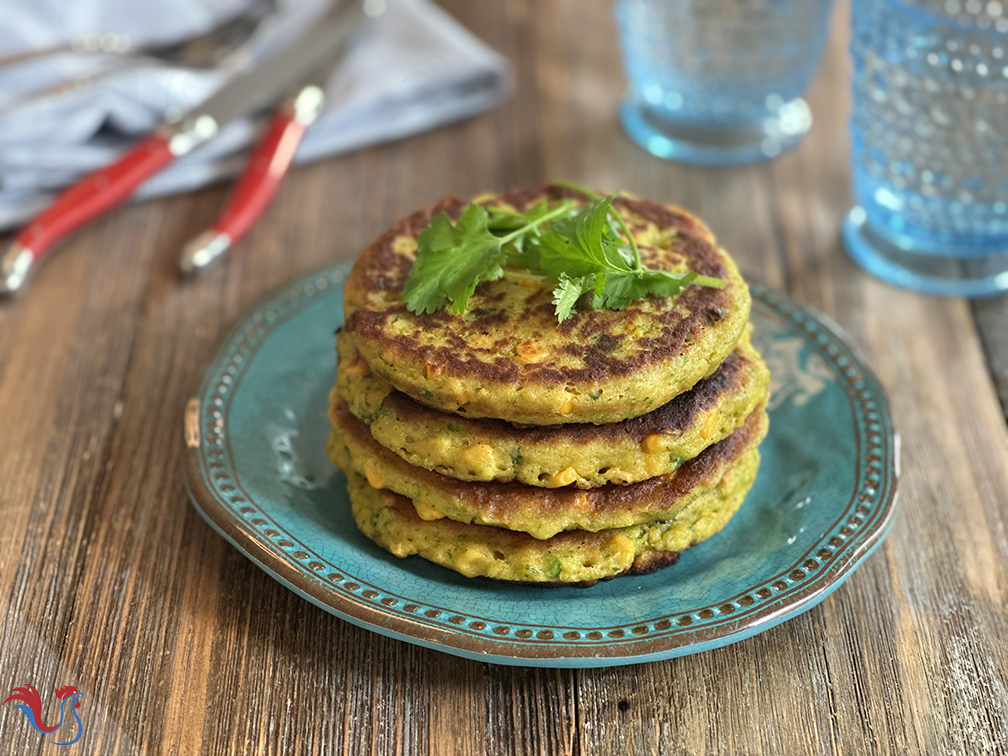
pixel 111 582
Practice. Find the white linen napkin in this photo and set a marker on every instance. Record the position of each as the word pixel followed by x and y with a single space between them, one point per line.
pixel 413 69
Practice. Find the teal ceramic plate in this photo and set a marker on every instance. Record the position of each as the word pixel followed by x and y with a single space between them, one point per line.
pixel 824 499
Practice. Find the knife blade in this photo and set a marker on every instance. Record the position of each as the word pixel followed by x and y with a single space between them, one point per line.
pixel 256 89
pixel 246 93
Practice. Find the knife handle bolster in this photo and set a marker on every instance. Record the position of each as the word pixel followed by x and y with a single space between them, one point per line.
pixel 95 195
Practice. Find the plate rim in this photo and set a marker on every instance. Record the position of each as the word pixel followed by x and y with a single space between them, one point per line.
pixel 299 569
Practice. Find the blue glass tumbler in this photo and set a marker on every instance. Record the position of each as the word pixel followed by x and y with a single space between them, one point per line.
pixel 719 82
pixel 930 144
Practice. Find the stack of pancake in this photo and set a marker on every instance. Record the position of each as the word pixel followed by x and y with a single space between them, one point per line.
pixel 501 443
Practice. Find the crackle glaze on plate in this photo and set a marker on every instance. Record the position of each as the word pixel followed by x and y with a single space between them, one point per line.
pixel 825 497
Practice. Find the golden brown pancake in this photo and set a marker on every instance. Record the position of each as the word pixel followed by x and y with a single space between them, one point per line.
pixel 574 556
pixel 506 357
pixel 540 512
pixel 551 456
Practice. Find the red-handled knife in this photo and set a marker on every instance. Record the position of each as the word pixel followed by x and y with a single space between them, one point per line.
pixel 259 182
pixel 91 197
pixel 248 92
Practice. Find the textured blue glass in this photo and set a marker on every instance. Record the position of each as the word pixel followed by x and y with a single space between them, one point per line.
pixel 930 143
pixel 719 81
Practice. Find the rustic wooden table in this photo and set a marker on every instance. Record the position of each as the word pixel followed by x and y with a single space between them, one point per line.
pixel 111 582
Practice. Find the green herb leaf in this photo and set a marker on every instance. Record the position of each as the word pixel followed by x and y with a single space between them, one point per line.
pixel 580 246
pixel 593 229
pixel 586 249
pixel 507 220
pixel 619 291
pixel 567 293
pixel 451 261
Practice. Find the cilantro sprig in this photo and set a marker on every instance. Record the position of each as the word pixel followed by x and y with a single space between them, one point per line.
pixel 580 250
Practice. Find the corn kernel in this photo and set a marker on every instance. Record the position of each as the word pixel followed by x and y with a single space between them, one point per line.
pixel 710 426
pixel 652 444
pixel 426 511
pixel 479 456
pixel 375 478
pixel 400 548
pixel 562 478
pixel 623 551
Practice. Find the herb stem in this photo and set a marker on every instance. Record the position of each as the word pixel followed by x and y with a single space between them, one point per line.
pixel 714 283
pixel 573 185
pixel 633 242
pixel 523 275
pixel 560 209
pixel 619 218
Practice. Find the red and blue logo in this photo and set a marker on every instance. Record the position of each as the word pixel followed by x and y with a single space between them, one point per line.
pixel 31 705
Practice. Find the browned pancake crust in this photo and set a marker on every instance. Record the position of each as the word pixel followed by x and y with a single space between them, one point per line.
pixel 539 512
pixel 644 562
pixel 676 415
pixel 552 456
pixel 628 362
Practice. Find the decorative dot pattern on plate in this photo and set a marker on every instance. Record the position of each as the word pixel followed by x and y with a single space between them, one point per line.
pixel 216 485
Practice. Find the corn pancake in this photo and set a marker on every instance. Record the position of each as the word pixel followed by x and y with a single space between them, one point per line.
pixel 552 456
pixel 506 357
pixel 540 512
pixel 574 556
